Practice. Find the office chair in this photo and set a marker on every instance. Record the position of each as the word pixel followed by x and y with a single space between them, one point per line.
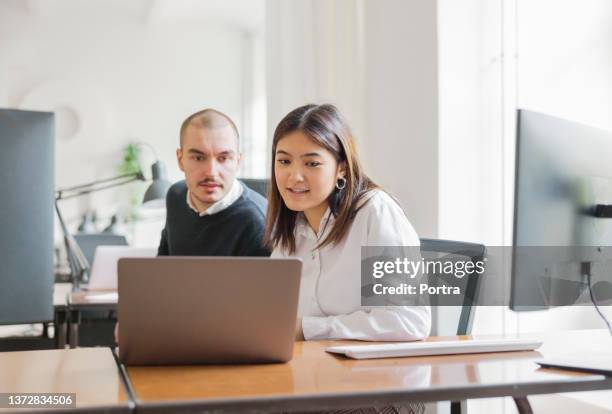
pixel 448 249
pixel 96 327
pixel 259 185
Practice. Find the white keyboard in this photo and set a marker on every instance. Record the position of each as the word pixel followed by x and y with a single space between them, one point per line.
pixel 410 349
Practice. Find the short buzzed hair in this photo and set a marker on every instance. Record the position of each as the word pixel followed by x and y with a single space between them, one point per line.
pixel 211 119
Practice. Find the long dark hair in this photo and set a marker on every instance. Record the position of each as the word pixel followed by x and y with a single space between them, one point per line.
pixel 324 125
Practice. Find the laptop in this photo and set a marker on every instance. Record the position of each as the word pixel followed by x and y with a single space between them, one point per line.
pixel 596 362
pixel 104 267
pixel 88 242
pixel 207 310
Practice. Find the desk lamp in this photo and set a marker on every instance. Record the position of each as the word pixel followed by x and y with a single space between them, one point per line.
pixel 154 197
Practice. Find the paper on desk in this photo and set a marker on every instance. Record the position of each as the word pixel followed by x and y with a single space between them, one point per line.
pixel 103 297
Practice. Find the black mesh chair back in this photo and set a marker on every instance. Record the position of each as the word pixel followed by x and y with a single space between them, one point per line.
pixel 457 250
pixel 259 185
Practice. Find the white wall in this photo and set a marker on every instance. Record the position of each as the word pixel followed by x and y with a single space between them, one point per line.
pixel 470 131
pixel 566 69
pixel 122 73
pixel 376 60
pixel 401 105
pixel 476 136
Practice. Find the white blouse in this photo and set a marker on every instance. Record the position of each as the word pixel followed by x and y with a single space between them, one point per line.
pixel 330 288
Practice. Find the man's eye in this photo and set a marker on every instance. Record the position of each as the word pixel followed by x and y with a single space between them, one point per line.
pixel 313 163
pixel 222 159
pixel 198 158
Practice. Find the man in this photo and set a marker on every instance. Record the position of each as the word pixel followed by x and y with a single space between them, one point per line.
pixel 211 213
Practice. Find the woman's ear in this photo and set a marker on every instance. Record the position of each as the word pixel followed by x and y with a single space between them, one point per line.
pixel 342 170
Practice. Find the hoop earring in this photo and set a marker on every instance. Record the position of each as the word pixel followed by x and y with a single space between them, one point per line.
pixel 341 183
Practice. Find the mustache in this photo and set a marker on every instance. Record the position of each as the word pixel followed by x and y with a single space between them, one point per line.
pixel 210 181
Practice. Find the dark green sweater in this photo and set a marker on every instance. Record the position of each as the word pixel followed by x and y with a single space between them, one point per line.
pixel 235 231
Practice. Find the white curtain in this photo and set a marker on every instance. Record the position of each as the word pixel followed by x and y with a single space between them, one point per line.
pixel 314 54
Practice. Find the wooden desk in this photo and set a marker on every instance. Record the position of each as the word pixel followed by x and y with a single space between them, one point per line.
pixel 92 300
pixel 317 380
pixel 91 373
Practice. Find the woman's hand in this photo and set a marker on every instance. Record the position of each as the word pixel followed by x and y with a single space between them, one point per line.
pixel 299 335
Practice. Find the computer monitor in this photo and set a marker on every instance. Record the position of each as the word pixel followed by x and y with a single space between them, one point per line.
pixel 88 242
pixel 562 217
pixel 26 216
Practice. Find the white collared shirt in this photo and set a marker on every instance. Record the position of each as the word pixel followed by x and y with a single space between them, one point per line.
pixel 330 287
pixel 233 194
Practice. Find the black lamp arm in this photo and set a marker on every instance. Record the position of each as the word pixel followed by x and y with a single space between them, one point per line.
pixel 603 211
pixel 76 259
pixel 94 186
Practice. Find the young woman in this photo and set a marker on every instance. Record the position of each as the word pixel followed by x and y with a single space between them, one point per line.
pixel 323 208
